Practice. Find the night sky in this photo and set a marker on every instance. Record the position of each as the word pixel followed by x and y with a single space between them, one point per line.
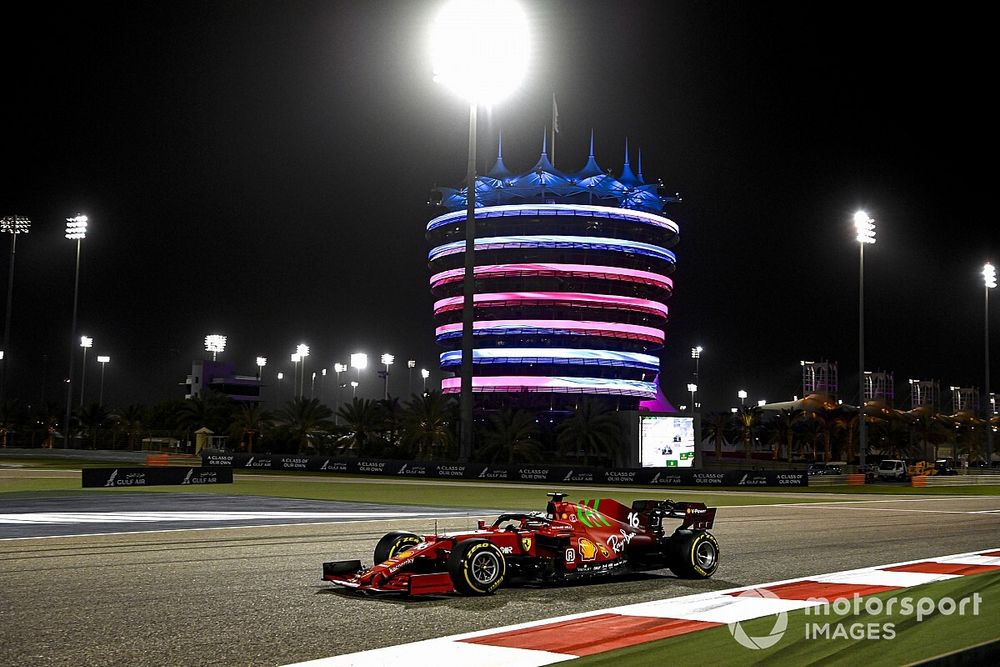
pixel 261 170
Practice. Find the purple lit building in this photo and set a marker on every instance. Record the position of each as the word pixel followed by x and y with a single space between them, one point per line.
pixel 572 279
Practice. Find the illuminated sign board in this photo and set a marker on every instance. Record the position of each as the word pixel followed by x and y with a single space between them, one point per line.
pixel 666 441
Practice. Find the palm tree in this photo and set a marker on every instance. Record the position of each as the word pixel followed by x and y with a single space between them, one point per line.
pixel 249 420
pixel 782 432
pixel 427 425
pixel 390 415
pixel 361 418
pixel 48 416
pixel 209 409
pixel 132 421
pixel 513 435
pixel 92 418
pixel 749 417
pixel 10 418
pixel 716 427
pixel 593 429
pixel 306 419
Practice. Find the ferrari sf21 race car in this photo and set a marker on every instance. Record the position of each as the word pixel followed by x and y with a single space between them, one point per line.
pixel 569 541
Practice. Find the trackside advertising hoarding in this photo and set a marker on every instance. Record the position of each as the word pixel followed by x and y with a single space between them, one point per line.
pixel 132 477
pixel 515 473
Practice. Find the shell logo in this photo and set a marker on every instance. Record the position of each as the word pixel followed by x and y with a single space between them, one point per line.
pixel 588 550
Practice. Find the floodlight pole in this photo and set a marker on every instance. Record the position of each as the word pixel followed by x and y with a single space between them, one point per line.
pixel 468 301
pixel 14 224
pixel 72 349
pixel 862 432
pixel 990 283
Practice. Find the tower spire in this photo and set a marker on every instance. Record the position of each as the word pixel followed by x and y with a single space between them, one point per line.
pixel 627 177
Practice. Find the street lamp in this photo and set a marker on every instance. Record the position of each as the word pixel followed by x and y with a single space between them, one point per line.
pixel 387 360
pixel 424 373
pixel 410 365
pixel 76 230
pixel 742 395
pixel 103 360
pixel 215 343
pixel 86 342
pixel 693 388
pixel 466 35
pixel 13 225
pixel 990 282
pixel 865 226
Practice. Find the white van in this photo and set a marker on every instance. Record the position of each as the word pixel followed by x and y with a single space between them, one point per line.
pixel 892 469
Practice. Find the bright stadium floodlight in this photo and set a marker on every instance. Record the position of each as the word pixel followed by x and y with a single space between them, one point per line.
pixel 102 359
pixel 388 359
pixel 303 350
pixel 339 368
pixel 411 363
pixel 742 395
pixel 989 275
pixel 215 343
pixel 865 226
pixel 76 227
pixel 354 388
pixel 424 373
pixel 261 362
pixel 296 357
pixel 359 361
pixel 761 403
pixel 86 341
pixel 467 34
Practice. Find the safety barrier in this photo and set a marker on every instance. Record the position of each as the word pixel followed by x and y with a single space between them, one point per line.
pixel 955 480
pixel 172 460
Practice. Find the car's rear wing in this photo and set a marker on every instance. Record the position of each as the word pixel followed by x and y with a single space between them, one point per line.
pixel 696 516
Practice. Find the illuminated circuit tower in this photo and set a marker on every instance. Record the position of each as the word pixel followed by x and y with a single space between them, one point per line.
pixel 572 278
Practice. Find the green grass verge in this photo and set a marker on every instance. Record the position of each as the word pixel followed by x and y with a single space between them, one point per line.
pixel 471 494
pixel 913 641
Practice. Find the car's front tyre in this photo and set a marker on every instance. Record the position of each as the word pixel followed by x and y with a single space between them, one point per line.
pixel 477 567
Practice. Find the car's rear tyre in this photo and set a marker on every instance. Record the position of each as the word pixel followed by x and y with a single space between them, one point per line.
pixel 394 543
pixel 477 567
pixel 694 554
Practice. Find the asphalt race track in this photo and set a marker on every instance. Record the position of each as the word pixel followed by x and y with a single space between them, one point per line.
pixel 253 596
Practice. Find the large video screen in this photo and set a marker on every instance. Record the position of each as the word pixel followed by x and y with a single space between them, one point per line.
pixel 666 441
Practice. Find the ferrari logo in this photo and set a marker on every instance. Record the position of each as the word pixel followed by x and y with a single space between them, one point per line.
pixel 526 543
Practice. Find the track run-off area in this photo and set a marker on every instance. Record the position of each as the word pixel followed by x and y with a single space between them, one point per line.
pixel 246 590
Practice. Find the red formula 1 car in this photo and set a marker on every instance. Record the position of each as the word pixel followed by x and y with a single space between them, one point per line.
pixel 570 540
